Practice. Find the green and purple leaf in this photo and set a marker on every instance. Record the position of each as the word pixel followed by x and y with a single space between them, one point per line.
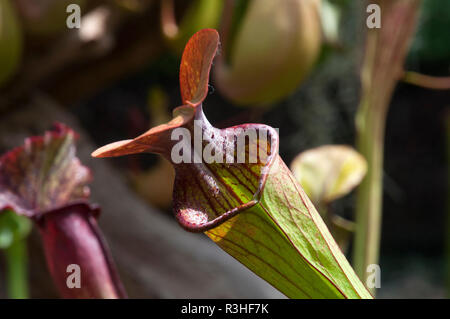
pixel 255 211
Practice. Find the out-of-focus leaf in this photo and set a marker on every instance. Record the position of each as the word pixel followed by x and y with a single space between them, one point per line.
pixel 329 172
pixel 44 181
pixel 43 174
pixel 10 41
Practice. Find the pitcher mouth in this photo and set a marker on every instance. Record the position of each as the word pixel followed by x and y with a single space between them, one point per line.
pixel 207 194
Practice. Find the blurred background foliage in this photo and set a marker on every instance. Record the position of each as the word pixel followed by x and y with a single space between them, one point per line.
pixel 122 78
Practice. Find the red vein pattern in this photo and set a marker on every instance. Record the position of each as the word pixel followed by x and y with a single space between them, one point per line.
pixel 208 194
pixel 254 211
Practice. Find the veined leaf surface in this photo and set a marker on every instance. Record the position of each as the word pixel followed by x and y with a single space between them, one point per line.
pixel 254 210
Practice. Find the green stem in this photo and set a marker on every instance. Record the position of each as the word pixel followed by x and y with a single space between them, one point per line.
pixel 385 53
pixel 370 144
pixel 16 258
pixel 427 81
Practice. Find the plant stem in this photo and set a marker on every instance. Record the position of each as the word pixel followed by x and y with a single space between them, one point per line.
pixel 16 258
pixel 369 197
pixel 427 81
pixel 385 53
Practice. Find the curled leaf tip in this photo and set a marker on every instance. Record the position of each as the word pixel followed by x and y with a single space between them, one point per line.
pixel 196 65
pixel 194 78
pixel 155 140
pixel 115 149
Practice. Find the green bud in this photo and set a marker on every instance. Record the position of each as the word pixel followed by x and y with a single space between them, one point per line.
pixel 272 51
